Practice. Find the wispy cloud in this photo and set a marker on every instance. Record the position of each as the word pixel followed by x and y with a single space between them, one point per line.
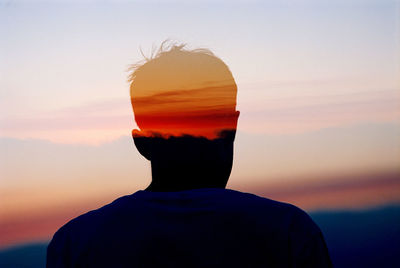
pixel 293 113
pixel 308 112
pixel 336 191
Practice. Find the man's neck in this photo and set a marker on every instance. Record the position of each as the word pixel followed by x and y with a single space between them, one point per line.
pixel 172 177
pixel 170 186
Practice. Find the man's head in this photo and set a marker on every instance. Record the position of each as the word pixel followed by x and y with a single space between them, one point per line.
pixel 185 106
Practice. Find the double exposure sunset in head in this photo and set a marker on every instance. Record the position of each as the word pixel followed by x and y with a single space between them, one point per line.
pixel 183 92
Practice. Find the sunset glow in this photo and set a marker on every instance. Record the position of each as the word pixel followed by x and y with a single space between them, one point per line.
pixel 313 87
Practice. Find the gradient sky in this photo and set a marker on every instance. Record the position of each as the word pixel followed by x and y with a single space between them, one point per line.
pixel 318 92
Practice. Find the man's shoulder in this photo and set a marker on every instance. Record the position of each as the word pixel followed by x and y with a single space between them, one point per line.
pixel 265 205
pixel 303 234
pixel 90 222
pixel 97 216
pixel 226 200
pixel 81 233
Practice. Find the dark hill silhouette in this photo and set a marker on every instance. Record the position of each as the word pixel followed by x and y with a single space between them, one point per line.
pixel 364 238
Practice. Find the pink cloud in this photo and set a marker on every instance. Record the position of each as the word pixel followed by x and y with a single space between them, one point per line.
pixel 108 120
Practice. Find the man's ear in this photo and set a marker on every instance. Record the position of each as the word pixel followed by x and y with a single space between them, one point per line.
pixel 143 143
pixel 237 114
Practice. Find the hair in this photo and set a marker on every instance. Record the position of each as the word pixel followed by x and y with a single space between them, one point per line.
pixel 167 46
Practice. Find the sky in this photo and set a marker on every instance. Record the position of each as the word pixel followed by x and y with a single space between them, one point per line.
pixel 318 94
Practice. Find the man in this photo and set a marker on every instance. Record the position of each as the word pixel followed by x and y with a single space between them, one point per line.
pixel 185 106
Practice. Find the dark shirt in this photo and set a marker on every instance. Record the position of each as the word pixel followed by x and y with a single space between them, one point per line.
pixel 194 228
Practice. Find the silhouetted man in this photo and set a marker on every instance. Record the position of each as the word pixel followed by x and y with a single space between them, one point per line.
pixel 185 106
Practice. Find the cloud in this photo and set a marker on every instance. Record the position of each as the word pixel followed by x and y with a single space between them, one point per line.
pixel 295 114
pixel 270 113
